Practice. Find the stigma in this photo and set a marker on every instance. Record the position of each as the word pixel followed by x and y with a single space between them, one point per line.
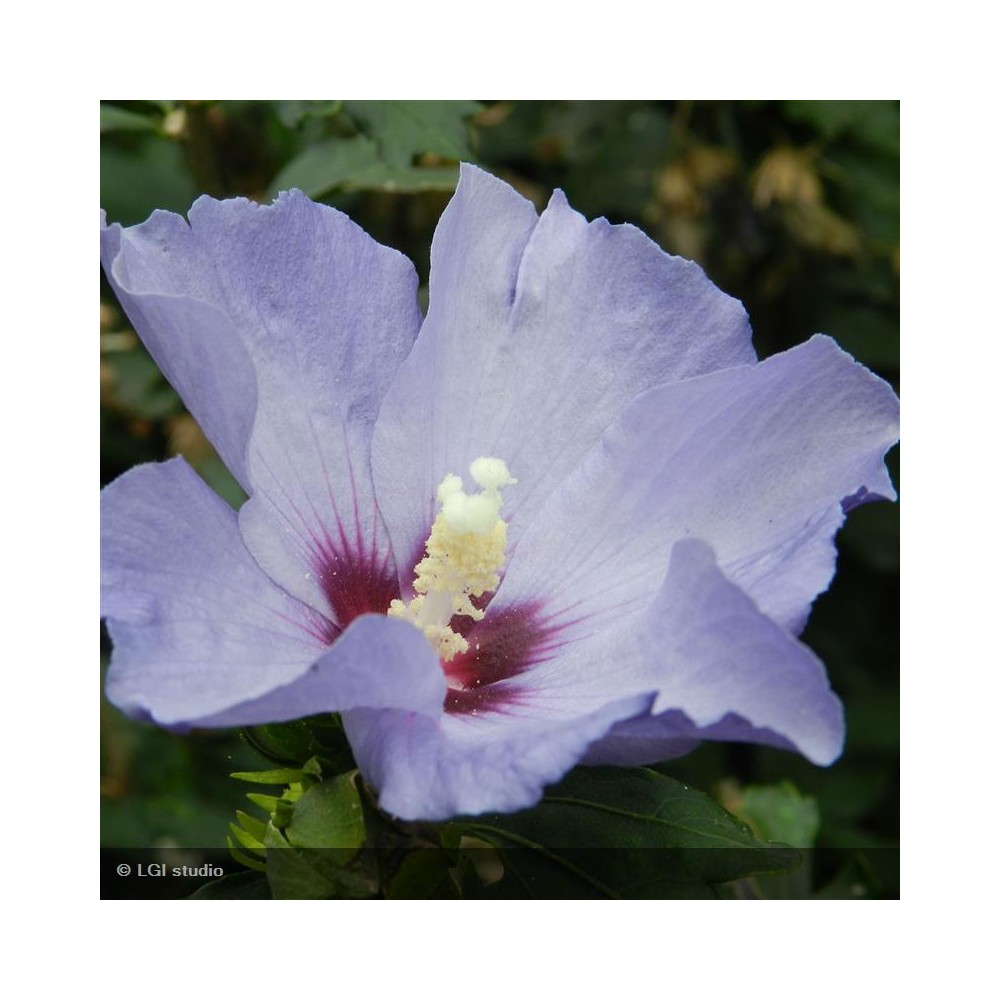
pixel 464 556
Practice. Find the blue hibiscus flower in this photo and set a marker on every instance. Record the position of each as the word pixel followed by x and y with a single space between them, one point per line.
pixel 566 517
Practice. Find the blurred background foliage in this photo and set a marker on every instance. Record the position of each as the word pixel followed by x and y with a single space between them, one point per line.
pixel 790 206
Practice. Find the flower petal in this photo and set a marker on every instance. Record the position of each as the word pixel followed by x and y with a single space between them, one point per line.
pixel 203 637
pixel 282 327
pixel 703 663
pixel 722 670
pixel 197 627
pixel 754 460
pixel 539 331
pixel 435 769
pixel 177 310
pixel 378 663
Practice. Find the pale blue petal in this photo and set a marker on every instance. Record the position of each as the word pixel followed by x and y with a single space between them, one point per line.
pixel 378 663
pixel 172 298
pixel 203 637
pixel 435 769
pixel 539 332
pixel 753 460
pixel 197 627
pixel 282 327
pixel 721 670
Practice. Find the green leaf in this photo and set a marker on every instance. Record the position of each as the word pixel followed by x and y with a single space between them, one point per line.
pixel 266 802
pixel 405 129
pixel 245 838
pixel 533 873
pixel 293 113
pixel 781 814
pixel 149 172
pixel 354 164
pixel 119 120
pixel 292 876
pixel 240 885
pixel 279 776
pixel 326 166
pixel 629 833
pixel 329 815
pixel 252 861
pixel 291 743
pixel 424 874
pixel 253 826
pixel 404 180
pixel 295 873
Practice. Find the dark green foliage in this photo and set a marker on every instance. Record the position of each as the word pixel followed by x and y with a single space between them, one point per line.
pixel 621 833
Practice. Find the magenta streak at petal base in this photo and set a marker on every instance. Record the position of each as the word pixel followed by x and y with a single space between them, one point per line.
pixel 501 647
pixel 354 581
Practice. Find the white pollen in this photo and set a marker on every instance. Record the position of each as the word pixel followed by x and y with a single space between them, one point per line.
pixel 491 473
pixel 449 485
pixel 476 514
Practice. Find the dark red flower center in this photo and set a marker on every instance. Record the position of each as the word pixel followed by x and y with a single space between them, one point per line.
pixel 502 646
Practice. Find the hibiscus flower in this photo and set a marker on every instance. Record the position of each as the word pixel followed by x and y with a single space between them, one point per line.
pixel 566 517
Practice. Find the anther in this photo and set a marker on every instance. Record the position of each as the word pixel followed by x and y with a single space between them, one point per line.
pixel 465 554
